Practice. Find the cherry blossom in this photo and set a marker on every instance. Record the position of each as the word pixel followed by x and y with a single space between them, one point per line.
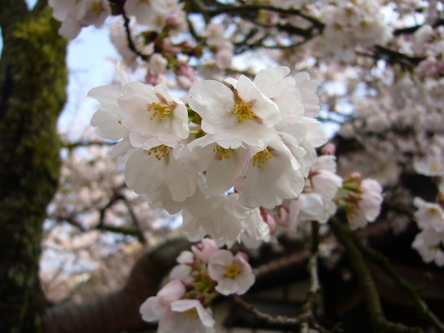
pixel 236 117
pixel 184 270
pixel 429 215
pixel 158 307
pixel 364 206
pixel 152 115
pixel 232 273
pixel 205 250
pixel 175 314
pixel 429 244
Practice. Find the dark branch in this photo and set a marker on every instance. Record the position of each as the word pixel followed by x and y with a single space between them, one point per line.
pixel 413 29
pixel 420 306
pixel 130 39
pixel 355 257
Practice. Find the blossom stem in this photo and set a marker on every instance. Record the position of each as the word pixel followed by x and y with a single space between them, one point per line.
pixel 420 306
pixel 356 259
pixel 308 310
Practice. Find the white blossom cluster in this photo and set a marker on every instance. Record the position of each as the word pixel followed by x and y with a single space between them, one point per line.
pixel 183 304
pixel 221 46
pixel 156 15
pixel 325 191
pixel 401 126
pixel 351 24
pixel 430 216
pixel 76 14
pixel 248 135
pixel 426 42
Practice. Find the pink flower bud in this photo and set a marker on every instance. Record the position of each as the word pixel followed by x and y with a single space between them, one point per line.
pixel 269 219
pixel 243 254
pixel 356 175
pixel 205 250
pixel 328 149
pixel 153 79
pixel 281 215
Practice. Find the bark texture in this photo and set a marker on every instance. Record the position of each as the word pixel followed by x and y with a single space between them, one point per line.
pixel 33 79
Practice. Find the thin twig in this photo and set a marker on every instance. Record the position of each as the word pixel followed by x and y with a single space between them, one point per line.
pixel 73 145
pixel 278 320
pixel 307 313
pixel 236 9
pixel 131 45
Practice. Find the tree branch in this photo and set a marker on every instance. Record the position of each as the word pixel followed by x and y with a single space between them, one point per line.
pixel 379 322
pixel 413 29
pixel 130 39
pixel 73 145
pixel 420 306
pixel 308 310
pixel 248 9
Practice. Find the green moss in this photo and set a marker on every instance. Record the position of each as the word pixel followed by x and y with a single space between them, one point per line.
pixel 33 80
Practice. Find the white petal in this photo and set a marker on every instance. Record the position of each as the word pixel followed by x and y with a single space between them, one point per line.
pixel 105 94
pixel 151 309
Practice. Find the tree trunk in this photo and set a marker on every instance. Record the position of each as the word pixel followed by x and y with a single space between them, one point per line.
pixel 33 79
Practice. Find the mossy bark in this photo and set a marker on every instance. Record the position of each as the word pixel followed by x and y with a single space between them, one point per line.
pixel 33 80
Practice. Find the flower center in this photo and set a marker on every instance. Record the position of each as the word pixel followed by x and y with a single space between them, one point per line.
pixel 243 111
pixel 221 153
pixel 190 314
pixel 434 167
pixel 159 151
pixel 433 211
pixel 159 20
pixel 232 270
pixel 96 7
pixel 161 111
pixel 261 158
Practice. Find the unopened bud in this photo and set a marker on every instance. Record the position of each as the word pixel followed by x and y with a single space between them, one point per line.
pixel 328 149
pixel 243 255
pixel 269 219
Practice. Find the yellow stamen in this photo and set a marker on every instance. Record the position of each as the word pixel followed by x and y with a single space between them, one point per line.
pixel 337 26
pixel 232 270
pixel 433 211
pixel 365 24
pixel 261 158
pixel 161 111
pixel 96 7
pixel 349 11
pixel 434 167
pixel 221 153
pixel 243 111
pixel 159 151
pixel 190 314
pixel 159 20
